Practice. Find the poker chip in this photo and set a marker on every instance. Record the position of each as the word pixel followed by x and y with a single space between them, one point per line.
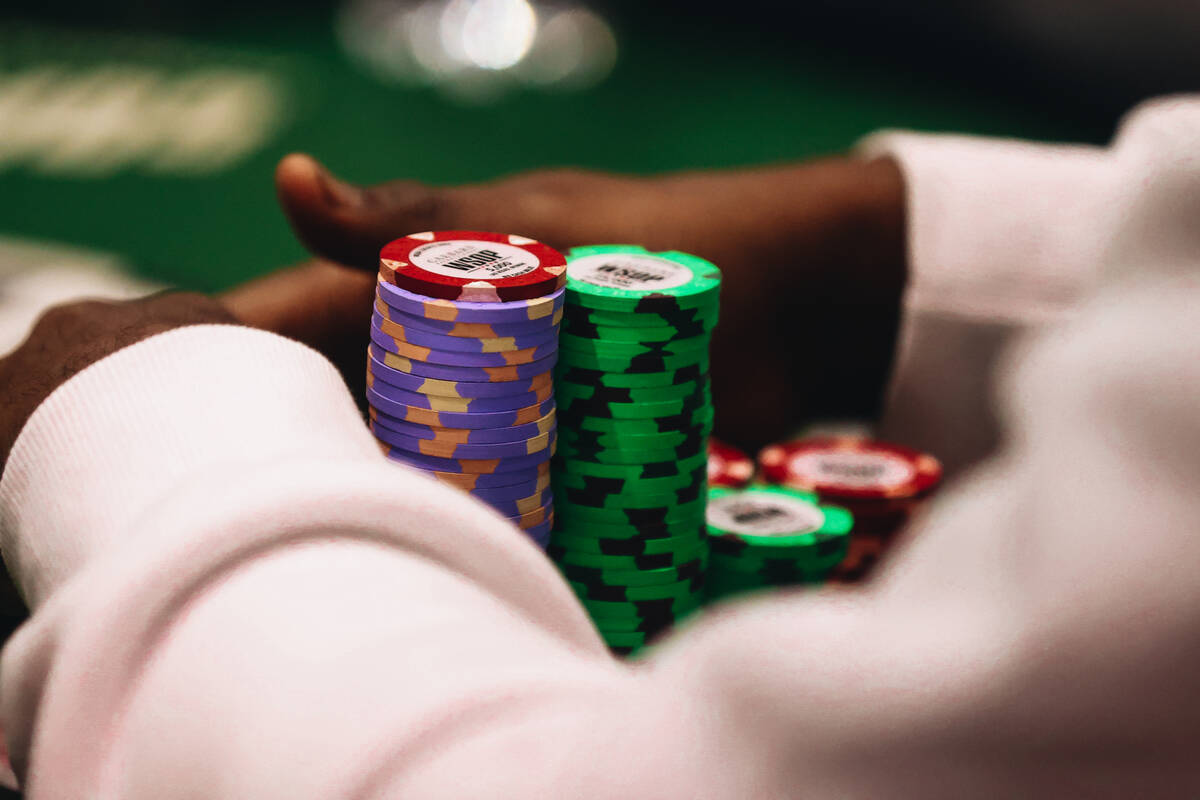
pixel 511 493
pixel 631 279
pixel 463 343
pixel 465 435
pixel 456 373
pixel 539 308
pixel 381 383
pixel 882 484
pixel 458 450
pixel 455 419
pixel 728 466
pixel 472 266
pixel 468 481
pixel 459 358
pixel 635 411
pixel 466 390
pixel 415 336
pixel 467 330
pixel 771 536
pixel 572 373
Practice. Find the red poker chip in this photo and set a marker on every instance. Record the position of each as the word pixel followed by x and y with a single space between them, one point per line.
pixel 851 468
pixel 473 266
pixel 728 466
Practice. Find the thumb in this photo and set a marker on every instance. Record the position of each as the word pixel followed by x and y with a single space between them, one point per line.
pixel 348 223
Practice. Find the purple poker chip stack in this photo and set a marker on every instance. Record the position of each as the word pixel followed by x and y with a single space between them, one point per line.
pixel 463 389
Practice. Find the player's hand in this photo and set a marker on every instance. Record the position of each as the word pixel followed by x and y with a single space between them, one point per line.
pixel 72 337
pixel 813 257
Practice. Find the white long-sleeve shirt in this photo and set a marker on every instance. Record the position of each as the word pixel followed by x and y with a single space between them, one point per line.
pixel 236 597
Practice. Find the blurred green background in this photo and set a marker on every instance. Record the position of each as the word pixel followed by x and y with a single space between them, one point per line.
pixel 172 167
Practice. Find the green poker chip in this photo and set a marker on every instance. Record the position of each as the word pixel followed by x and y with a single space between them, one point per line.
pixel 678 590
pixel 564 478
pixel 603 348
pixel 635 640
pixel 686 321
pixel 701 419
pixel 629 441
pixel 603 576
pixel 630 531
pixel 627 457
pixel 671 468
pixel 566 555
pixel 773 518
pixel 569 512
pixel 565 390
pixel 587 498
pixel 632 334
pixel 632 279
pixel 588 376
pixel 663 609
pixel 644 363
pixel 655 410
pixel 625 541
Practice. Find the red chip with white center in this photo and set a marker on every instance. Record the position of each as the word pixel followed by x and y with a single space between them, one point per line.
pixel 851 468
pixel 473 266
pixel 728 466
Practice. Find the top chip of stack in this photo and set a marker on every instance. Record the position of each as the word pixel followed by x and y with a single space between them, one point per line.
pixel 472 266
pixel 635 413
pixel 464 337
pixel 728 466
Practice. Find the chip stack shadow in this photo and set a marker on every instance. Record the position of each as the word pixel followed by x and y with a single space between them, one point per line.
pixel 636 411
pixel 464 338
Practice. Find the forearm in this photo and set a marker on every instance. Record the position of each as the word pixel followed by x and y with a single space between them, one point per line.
pixel 211 458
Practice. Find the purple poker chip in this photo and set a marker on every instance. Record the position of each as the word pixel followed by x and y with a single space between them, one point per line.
pixel 455 419
pixel 458 311
pixel 382 384
pixel 523 505
pixel 456 450
pixel 455 389
pixel 470 330
pixel 470 481
pixel 516 433
pixel 454 358
pixel 437 341
pixel 540 534
pixel 426 369
pixel 508 493
pixel 493 466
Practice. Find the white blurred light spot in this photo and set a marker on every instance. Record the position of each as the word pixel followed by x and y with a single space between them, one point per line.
pixel 489 34
pixel 575 49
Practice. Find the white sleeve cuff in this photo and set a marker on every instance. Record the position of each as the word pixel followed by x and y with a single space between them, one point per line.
pixel 998 229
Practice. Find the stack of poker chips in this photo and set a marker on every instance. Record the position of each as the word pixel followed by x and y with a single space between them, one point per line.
pixel 882 484
pixel 772 536
pixel 464 340
pixel 728 466
pixel 630 474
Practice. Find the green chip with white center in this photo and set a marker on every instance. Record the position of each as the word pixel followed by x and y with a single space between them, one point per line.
pixel 772 519
pixel 632 279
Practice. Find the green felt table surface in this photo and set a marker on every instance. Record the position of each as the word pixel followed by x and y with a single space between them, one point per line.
pixel 681 96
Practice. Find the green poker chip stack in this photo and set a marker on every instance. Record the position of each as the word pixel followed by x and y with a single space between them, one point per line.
pixel 771 536
pixel 634 414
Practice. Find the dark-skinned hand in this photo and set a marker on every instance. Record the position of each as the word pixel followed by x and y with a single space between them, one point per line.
pixel 813 257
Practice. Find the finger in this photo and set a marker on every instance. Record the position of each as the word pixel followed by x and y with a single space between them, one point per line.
pixel 348 223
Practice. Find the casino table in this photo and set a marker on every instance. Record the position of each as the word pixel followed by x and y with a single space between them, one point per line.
pixel 171 168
